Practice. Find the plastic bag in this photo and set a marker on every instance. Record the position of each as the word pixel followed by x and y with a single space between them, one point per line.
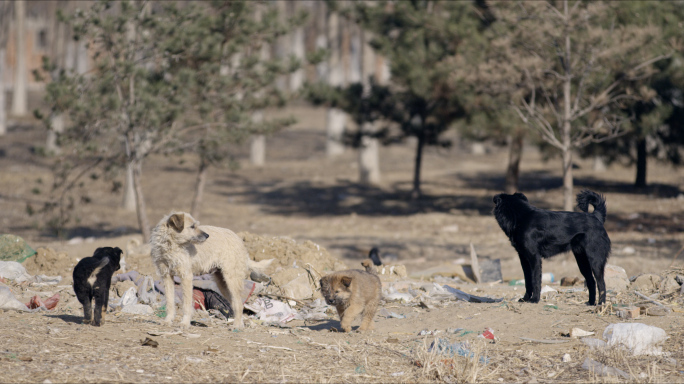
pixel 640 339
pixel 272 310
pixel 129 298
pixel 8 301
pixel 14 248
pixel 14 271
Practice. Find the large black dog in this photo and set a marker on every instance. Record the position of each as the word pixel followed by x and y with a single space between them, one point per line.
pixel 92 279
pixel 537 233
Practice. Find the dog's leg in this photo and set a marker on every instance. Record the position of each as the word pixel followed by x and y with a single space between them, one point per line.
pixel 231 289
pixel 87 310
pixel 186 286
pixel 528 277
pixel 535 275
pixel 368 314
pixel 170 294
pixel 350 314
pixel 584 265
pixel 99 300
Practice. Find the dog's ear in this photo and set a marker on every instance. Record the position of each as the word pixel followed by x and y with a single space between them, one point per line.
pixel 176 221
pixel 521 196
pixel 117 249
pixel 497 199
pixel 346 280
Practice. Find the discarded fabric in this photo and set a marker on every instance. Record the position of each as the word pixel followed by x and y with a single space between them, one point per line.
pixel 470 298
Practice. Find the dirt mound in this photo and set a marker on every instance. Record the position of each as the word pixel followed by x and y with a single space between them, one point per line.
pixel 290 257
pixel 49 262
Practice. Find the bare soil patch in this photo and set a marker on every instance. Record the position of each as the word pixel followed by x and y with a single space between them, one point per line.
pixel 302 195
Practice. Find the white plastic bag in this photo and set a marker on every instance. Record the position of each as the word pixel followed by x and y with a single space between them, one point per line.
pixel 8 301
pixel 129 297
pixel 272 310
pixel 14 271
pixel 640 339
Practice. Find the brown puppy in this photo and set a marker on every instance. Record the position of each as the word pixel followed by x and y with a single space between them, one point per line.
pixel 369 266
pixel 352 292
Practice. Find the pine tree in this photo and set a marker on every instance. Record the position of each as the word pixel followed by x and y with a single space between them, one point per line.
pixel 564 71
pixel 653 129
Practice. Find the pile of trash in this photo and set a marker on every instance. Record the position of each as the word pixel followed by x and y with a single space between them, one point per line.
pixel 14 272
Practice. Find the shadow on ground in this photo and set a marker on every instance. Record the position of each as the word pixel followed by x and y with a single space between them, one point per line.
pixel 306 198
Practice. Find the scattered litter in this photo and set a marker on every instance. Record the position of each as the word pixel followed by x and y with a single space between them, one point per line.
pixel 49 304
pixel 398 296
pixel 640 339
pixel 271 310
pixel 129 298
pixel 389 314
pixel 629 312
pixel 594 343
pixel 14 271
pixel 603 370
pixel 192 359
pixel 468 297
pixel 576 333
pixel 426 332
pixel 547 289
pixel 566 358
pixel 198 324
pixel 8 301
pixel 149 343
pixel 137 309
pixel 314 311
pixel 488 334
pixel 444 347
pixel 544 341
pixel 395 374
pixel 14 248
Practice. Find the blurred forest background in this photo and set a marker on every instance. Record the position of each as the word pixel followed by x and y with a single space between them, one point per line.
pixel 113 84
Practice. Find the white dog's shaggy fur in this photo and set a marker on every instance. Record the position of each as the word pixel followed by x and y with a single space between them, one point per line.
pixel 183 248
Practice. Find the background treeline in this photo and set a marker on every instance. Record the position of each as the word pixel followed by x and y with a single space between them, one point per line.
pixel 127 79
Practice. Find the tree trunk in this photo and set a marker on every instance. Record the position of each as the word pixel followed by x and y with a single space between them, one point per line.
pixel 199 189
pixel 19 95
pixel 369 166
pixel 514 157
pixel 282 45
pixel 641 162
pixel 56 128
pixel 416 193
pixel 143 222
pixel 369 157
pixel 565 135
pixel 257 152
pixel 335 118
pixel 3 108
pixel 298 51
pixel 128 202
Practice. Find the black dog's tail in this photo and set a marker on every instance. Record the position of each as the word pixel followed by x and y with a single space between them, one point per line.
pixel 587 197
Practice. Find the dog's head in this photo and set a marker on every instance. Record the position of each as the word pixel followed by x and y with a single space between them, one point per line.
pixel 335 288
pixel 185 229
pixel 112 253
pixel 506 210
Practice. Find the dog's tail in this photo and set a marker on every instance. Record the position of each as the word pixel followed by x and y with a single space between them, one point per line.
pixel 257 268
pixel 587 197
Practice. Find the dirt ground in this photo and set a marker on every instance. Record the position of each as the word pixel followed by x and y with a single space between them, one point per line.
pixel 303 195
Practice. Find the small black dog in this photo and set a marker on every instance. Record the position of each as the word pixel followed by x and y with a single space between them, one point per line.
pixel 537 233
pixel 374 255
pixel 92 279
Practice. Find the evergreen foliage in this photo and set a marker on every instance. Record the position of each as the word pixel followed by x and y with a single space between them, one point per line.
pixel 168 78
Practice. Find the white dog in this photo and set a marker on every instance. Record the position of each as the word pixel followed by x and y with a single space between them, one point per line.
pixel 183 248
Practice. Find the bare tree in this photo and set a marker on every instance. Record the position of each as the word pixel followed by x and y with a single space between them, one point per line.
pixel 564 71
